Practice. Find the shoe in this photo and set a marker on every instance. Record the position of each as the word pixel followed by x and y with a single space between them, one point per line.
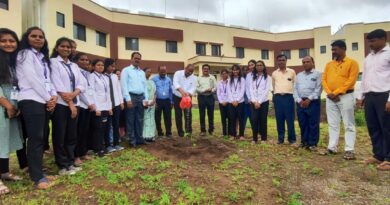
pixel 280 143
pixel 169 136
pixel 78 162
pixel 313 148
pixel 328 152
pixel 211 133
pixel 65 171
pixel 242 138
pixel 118 148
pixel 349 155
pixel 384 166
pixel 86 157
pixel 110 149
pixel 10 177
pixel 254 142
pixel 76 169
pixel 203 134
pixel 3 189
pixel 100 154
pixel 372 160
pixel 232 138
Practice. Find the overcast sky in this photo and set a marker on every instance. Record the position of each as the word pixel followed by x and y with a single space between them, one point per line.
pixel 269 15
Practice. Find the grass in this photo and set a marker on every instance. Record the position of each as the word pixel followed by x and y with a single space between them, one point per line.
pixel 251 174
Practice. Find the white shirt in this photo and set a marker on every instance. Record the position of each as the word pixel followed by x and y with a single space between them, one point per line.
pixel 376 72
pixel 87 96
pixel 258 90
pixel 236 90
pixel 188 84
pixel 116 85
pixel 60 77
pixel 101 86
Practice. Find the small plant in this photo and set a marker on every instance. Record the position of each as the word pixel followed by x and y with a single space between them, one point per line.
pixel 276 182
pixel 317 171
pixel 295 199
pixel 121 199
pixel 233 159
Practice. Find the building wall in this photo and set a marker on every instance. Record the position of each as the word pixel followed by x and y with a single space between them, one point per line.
pixel 12 18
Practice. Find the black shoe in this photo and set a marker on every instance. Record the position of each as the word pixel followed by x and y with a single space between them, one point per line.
pixel 100 154
pixel 210 132
pixel 169 136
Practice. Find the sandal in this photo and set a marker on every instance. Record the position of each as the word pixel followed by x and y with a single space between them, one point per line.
pixel 43 185
pixel 3 189
pixel 242 138
pixel 10 177
pixel 349 155
pixel 384 166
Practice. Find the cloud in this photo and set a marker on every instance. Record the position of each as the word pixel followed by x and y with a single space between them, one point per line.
pixel 274 16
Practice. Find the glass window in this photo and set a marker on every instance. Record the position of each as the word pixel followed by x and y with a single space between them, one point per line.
pixel 304 52
pixel 60 19
pixel 322 49
pixel 216 50
pixel 355 46
pixel 100 39
pixel 240 52
pixel 132 44
pixel 79 32
pixel 200 49
pixel 4 4
pixel 287 53
pixel 265 54
pixel 171 47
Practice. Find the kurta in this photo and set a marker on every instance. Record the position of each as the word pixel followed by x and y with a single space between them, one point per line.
pixel 11 138
pixel 149 130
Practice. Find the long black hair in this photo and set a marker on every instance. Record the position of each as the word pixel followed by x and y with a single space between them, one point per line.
pixel 254 72
pixel 107 63
pixel 7 60
pixel 55 53
pixel 24 44
pixel 235 67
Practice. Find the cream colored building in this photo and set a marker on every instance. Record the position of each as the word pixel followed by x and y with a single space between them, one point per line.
pixel 105 32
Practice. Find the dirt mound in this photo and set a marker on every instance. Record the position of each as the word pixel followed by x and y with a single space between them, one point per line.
pixel 202 150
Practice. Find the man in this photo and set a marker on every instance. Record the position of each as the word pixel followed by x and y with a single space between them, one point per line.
pixel 307 92
pixel 134 91
pixel 164 101
pixel 206 87
pixel 184 84
pixel 338 80
pixel 375 97
pixel 283 85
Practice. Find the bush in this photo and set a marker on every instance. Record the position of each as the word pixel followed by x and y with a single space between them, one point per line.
pixel 360 119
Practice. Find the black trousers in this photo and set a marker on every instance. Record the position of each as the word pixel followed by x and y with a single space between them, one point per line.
pixel 179 117
pixel 163 107
pixel 64 136
pixel 378 124
pixel 224 110
pixel 22 159
pixel 259 121
pixel 206 102
pixel 135 120
pixel 113 120
pixel 83 132
pixel 235 115
pixel 36 119
pixel 99 130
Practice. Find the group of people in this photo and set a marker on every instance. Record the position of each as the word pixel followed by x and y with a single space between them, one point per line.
pixel 89 100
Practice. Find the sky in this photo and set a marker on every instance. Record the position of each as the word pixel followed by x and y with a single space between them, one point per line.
pixel 268 15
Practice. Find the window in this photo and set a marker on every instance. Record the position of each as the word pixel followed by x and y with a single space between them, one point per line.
pixel 216 50
pixel 171 47
pixel 200 49
pixel 287 53
pixel 132 44
pixel 79 32
pixel 4 4
pixel 355 46
pixel 264 54
pixel 240 52
pixel 303 52
pixel 60 19
pixel 322 49
pixel 100 39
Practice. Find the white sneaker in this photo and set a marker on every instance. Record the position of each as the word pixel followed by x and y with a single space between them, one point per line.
pixel 65 171
pixel 76 169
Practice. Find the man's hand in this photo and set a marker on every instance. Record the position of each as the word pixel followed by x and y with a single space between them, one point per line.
pixel 129 104
pixel 387 108
pixel 110 112
pixel 98 113
pixel 73 110
pixel 359 104
pixel 92 107
pixel 257 105
pixel 331 96
pixel 51 104
pixel 122 106
pixel 305 103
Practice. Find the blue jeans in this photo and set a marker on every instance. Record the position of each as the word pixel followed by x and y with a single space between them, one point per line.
pixel 284 112
pixel 135 119
pixel 309 122
pixel 113 126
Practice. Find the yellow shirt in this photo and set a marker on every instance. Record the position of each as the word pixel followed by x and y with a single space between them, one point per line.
pixel 340 76
pixel 283 82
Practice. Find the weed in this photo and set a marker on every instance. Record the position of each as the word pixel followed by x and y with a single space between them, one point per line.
pixel 227 163
pixel 295 199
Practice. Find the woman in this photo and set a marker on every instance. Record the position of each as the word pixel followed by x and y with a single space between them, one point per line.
pixel 149 129
pixel 223 101
pixel 247 106
pixel 87 105
pixel 101 91
pixel 10 127
pixel 258 89
pixel 236 92
pixel 66 79
pixel 116 99
pixel 37 97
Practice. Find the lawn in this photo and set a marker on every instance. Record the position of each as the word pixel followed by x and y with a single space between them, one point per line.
pixel 213 170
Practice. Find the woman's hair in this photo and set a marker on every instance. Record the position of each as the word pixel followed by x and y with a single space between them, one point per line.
pixel 7 60
pixel 254 72
pixel 55 53
pixel 252 61
pixel 24 44
pixel 107 63
pixel 235 67
pixel 94 62
pixel 78 56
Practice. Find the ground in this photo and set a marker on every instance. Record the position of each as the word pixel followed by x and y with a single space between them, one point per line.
pixel 215 170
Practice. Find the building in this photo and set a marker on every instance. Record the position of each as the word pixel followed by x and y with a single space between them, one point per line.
pixel 106 32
